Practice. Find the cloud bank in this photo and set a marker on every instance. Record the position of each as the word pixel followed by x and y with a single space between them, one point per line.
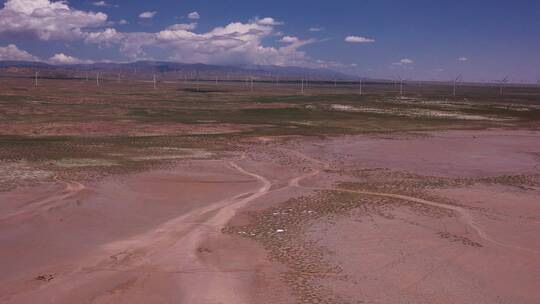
pixel 257 41
pixel 47 20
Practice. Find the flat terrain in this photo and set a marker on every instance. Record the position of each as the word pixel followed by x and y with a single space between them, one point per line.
pixel 213 193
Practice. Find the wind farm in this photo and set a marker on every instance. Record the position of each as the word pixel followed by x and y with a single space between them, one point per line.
pixel 247 170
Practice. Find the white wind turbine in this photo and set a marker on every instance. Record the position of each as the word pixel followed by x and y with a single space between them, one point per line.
pixel 502 83
pixel 456 80
pixel 401 80
pixel 360 82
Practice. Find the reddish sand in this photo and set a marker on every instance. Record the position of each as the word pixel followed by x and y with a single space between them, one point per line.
pixel 156 237
pixel 401 259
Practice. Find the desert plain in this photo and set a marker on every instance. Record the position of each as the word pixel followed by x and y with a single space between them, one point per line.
pixel 220 193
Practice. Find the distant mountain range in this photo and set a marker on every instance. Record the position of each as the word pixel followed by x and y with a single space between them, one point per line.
pixel 168 70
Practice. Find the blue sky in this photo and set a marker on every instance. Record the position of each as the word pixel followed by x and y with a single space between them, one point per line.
pixel 417 39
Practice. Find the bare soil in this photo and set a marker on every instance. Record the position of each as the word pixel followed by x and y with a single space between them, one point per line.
pixel 424 217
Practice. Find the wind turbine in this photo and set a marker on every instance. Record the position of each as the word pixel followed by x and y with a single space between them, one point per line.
pixel 400 85
pixel 501 85
pixel 36 79
pixel 359 81
pixel 196 73
pixel 456 80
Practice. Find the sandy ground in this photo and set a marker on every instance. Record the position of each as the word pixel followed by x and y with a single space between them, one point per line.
pixel 446 217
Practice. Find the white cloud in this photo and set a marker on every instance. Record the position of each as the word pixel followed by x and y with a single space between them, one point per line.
pixel 194 16
pixel 107 37
pixel 463 59
pixel 404 61
pixel 123 22
pixel 47 19
pixel 183 26
pixel 316 29
pixel 12 52
pixel 147 15
pixel 358 39
pixel 289 39
pixel 62 58
pixel 236 42
pixel 268 21
pixel 100 3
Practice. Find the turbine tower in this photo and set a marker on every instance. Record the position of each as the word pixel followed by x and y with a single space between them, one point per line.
pixel 400 85
pixel 456 80
pixel 501 85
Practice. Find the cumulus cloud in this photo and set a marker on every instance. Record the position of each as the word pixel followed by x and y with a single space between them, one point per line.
pixel 463 59
pixel 107 37
pixel 130 44
pixel 47 19
pixel 268 21
pixel 358 39
pixel 316 29
pixel 147 15
pixel 122 22
pixel 12 52
pixel 62 58
pixel 194 16
pixel 236 42
pixel 404 61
